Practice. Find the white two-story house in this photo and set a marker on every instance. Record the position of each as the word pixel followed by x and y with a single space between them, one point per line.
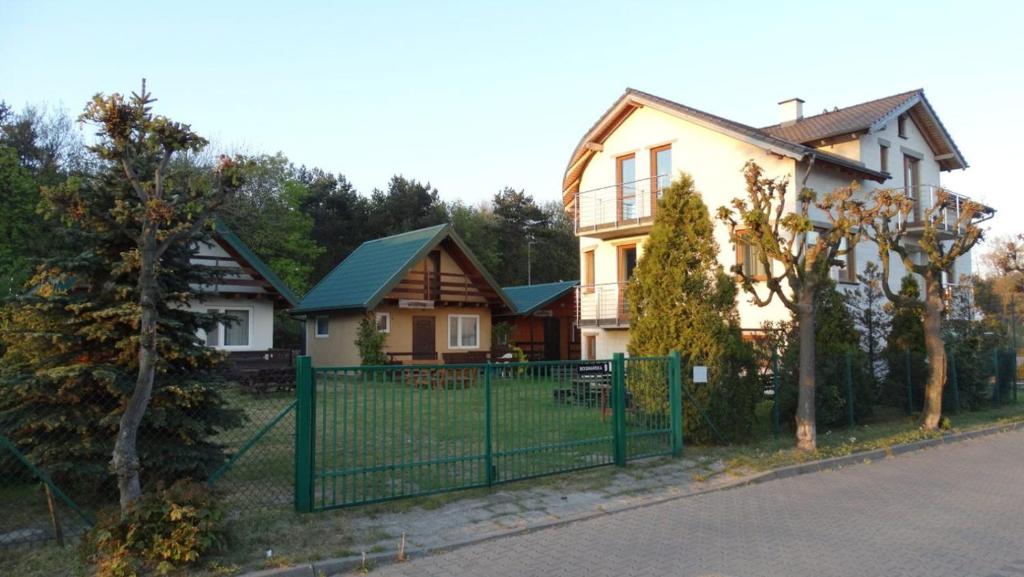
pixel 642 142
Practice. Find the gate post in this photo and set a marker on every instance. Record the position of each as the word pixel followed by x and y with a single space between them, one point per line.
pixel 304 434
pixel 996 393
pixel 488 426
pixel 619 409
pixel 910 388
pixel 954 386
pixel 675 396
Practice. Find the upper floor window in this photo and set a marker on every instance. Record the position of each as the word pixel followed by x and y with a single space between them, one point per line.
pixel 847 273
pixel 661 169
pixel 883 157
pixel 625 179
pixel 748 257
pixel 627 262
pixel 588 271
pixel 901 125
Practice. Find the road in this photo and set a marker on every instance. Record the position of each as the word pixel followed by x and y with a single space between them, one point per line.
pixel 955 510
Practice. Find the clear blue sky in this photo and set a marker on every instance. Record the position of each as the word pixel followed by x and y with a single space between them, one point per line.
pixel 474 96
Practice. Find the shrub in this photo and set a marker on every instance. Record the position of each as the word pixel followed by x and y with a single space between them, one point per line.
pixel 905 338
pixel 370 342
pixel 167 529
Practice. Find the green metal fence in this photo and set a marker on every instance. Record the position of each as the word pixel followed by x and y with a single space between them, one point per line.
pixel 369 434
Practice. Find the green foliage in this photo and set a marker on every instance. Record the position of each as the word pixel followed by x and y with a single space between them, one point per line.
pixel 681 299
pixel 370 342
pixel 168 529
pixel 872 318
pixel 836 339
pixel 905 340
pixel 976 344
pixel 265 214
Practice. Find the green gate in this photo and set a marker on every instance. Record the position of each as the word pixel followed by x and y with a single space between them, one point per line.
pixel 375 433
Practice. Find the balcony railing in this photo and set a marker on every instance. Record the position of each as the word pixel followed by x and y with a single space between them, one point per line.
pixel 628 204
pixel 602 305
pixel 925 196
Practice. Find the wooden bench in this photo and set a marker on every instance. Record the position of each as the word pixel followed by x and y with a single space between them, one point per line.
pixel 463 377
pixel 263 371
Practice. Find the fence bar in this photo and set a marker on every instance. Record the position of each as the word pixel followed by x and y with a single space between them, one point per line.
pixel 304 434
pixel 45 479
pixel 848 377
pixel 996 394
pixel 954 386
pixel 488 426
pixel 619 409
pixel 776 425
pixel 675 395
pixel 910 389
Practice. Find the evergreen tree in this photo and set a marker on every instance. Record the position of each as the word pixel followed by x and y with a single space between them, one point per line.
pixel 681 299
pixel 72 361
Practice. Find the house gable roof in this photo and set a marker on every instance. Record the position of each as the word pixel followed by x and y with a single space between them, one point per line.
pixel 873 116
pixel 528 298
pixel 362 280
pixel 241 251
pixel 634 99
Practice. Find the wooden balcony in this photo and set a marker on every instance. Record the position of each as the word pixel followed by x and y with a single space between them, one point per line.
pixel 438 287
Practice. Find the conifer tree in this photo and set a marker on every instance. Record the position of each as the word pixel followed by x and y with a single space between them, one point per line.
pixel 681 299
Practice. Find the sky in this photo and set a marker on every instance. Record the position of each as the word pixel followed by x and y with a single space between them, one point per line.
pixel 476 96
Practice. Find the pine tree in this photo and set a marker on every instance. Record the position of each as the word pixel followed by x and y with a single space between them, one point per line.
pixel 681 299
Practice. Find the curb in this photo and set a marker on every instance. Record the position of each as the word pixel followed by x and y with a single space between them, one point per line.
pixel 336 566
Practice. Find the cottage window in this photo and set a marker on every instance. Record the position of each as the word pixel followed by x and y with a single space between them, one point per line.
pixel 236 331
pixel 463 331
pixel 323 327
pixel 383 322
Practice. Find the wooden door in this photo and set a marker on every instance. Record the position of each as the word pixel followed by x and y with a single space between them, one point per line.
pixel 423 335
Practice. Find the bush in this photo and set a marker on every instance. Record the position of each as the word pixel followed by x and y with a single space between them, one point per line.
pixel 370 342
pixel 167 529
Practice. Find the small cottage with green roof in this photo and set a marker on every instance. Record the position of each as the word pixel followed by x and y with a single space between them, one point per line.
pixel 424 289
pixel 544 324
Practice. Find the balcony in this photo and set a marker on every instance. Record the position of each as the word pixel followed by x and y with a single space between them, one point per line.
pixel 947 218
pixel 612 211
pixel 602 305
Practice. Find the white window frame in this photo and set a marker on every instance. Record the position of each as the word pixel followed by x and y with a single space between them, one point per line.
pixel 316 327
pixel 221 329
pixel 387 322
pixel 458 332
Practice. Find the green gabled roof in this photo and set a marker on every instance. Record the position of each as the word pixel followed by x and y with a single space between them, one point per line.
pixel 529 298
pixel 373 269
pixel 227 235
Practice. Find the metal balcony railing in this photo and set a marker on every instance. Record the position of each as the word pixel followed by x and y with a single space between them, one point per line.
pixel 925 196
pixel 602 305
pixel 617 206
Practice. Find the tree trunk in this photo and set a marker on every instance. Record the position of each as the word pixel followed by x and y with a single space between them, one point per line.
pixel 935 348
pixel 125 460
pixel 806 430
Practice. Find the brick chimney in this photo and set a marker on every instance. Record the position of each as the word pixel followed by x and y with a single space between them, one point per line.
pixel 791 110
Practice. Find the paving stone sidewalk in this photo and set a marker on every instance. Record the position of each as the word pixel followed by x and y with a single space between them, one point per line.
pixel 543 501
pixel 955 510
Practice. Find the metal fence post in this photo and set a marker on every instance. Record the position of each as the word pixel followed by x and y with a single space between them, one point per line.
pixel 488 425
pixel 848 377
pixel 304 434
pixel 675 397
pixel 954 386
pixel 619 409
pixel 910 388
pixel 776 424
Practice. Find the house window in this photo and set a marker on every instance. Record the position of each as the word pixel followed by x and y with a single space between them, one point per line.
pixel 661 169
pixel 588 271
pixel 627 262
pixel 463 331
pixel 626 181
pixel 383 322
pixel 591 341
pixel 233 333
pixel 848 272
pixel 883 158
pixel 901 125
pixel 323 327
pixel 748 257
pixel 236 332
pixel 911 182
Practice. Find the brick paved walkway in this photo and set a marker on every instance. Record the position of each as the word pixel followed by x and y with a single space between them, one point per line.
pixel 955 510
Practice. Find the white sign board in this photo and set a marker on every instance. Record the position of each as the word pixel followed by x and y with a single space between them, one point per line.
pixel 415 304
pixel 700 374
